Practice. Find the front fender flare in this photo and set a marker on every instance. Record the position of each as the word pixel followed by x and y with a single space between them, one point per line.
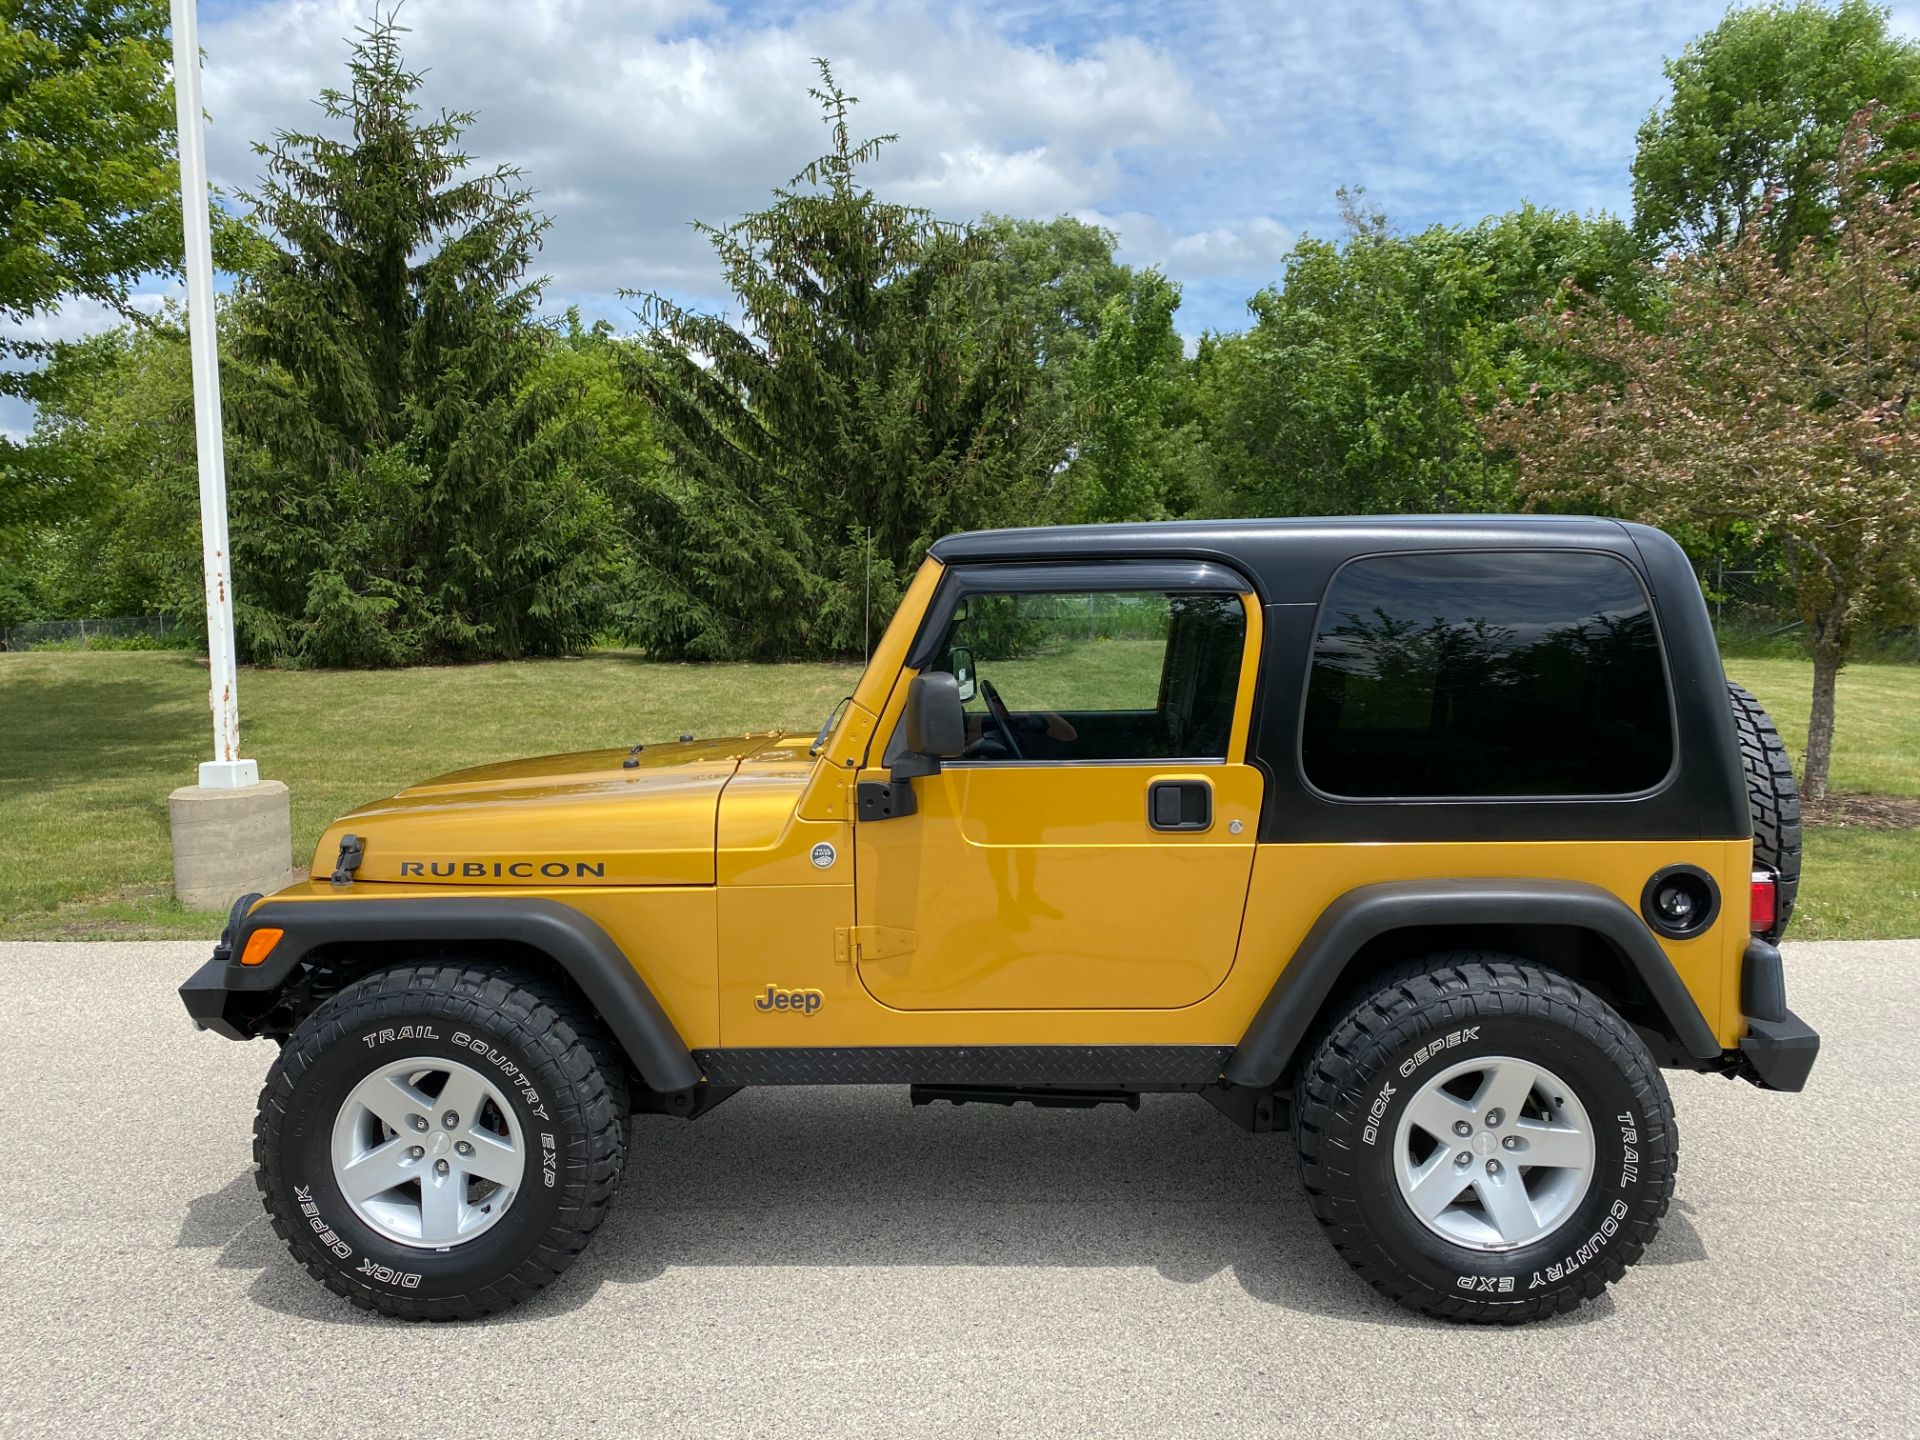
pixel 574 941
pixel 1281 1022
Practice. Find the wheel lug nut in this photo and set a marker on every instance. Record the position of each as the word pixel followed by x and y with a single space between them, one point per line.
pixel 416 1151
pixel 1461 1128
pixel 440 1167
pixel 450 1119
pixel 1493 1166
pixel 464 1148
pixel 1494 1117
pixel 1463 1159
pixel 419 1122
pixel 1512 1142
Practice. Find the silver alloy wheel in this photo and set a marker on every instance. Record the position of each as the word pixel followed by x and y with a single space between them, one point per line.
pixel 1493 1153
pixel 427 1152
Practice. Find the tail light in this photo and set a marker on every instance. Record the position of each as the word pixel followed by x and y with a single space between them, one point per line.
pixel 1765 905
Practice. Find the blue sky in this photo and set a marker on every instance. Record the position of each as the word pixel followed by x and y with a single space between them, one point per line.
pixel 1207 135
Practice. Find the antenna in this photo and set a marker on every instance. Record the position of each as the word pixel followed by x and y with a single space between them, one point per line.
pixel 866 637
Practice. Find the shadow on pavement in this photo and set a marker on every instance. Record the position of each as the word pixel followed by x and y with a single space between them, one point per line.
pixel 858 1178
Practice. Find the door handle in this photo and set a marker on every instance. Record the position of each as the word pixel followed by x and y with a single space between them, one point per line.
pixel 1180 805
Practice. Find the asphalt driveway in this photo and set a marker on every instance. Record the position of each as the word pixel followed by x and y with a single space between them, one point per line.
pixel 813 1262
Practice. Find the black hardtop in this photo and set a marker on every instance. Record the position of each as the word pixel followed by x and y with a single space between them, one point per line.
pixel 1290 560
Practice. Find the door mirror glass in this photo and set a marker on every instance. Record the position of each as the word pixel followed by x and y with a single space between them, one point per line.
pixel 936 726
pixel 960 663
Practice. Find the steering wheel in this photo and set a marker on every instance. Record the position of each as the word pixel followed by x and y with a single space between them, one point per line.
pixel 1002 717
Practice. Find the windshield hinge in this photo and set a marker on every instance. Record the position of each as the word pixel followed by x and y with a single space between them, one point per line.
pixel 878 800
pixel 854 943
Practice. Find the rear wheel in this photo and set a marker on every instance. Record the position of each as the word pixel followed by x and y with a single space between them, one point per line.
pixel 1485 1141
pixel 439 1142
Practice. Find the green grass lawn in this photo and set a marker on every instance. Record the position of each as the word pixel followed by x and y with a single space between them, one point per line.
pixel 91 743
pixel 1859 884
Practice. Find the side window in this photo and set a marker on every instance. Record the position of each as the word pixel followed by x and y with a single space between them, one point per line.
pixel 1097 675
pixel 1526 673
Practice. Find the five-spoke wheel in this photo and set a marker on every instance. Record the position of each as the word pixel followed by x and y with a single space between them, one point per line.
pixel 1493 1152
pixel 427 1152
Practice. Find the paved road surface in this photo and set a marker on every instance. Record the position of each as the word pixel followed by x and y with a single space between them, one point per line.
pixel 811 1262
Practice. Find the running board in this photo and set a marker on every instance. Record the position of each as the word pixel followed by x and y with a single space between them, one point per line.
pixel 1043 1096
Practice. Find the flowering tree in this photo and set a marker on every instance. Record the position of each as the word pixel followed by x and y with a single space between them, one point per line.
pixel 1774 395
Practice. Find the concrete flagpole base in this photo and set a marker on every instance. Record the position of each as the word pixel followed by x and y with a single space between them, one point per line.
pixel 228 840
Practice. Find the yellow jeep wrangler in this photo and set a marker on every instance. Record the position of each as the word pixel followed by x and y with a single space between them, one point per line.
pixel 1430 840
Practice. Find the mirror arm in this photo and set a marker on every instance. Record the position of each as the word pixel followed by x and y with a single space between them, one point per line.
pixel 908 764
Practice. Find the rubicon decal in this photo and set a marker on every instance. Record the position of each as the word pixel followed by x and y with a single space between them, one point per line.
pixel 503 869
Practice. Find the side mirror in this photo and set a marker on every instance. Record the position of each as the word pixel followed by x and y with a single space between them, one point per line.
pixel 960 662
pixel 935 724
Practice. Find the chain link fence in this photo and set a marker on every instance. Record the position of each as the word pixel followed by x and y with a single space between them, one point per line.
pixel 80 634
pixel 1754 615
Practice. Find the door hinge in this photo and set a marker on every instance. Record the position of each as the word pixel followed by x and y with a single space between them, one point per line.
pixel 854 943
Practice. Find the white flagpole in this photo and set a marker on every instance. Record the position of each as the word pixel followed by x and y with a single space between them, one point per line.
pixel 226 771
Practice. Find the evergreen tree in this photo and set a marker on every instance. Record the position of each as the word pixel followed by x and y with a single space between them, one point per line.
pixel 411 497
pixel 871 399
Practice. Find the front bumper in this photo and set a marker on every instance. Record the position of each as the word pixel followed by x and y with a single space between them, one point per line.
pixel 206 997
pixel 1779 1048
pixel 216 994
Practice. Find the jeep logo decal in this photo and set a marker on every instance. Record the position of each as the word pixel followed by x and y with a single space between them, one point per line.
pixel 805 1001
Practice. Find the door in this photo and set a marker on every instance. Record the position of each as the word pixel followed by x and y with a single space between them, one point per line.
pixel 1091 848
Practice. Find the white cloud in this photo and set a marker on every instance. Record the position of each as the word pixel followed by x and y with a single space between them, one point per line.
pixel 77 318
pixel 632 121
pixel 1206 133
pixel 1255 245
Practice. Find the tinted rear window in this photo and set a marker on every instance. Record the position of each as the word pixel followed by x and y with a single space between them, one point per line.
pixel 1516 673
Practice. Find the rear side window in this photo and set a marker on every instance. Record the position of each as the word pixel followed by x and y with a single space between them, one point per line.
pixel 1516 673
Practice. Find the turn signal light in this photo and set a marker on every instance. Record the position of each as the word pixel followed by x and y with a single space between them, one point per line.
pixel 1765 906
pixel 259 944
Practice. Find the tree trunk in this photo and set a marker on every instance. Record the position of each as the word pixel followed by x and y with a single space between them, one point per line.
pixel 1826 669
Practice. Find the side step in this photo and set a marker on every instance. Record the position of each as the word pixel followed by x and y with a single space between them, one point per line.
pixel 1043 1096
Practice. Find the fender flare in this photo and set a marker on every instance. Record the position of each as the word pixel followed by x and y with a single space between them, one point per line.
pixel 1368 911
pixel 574 941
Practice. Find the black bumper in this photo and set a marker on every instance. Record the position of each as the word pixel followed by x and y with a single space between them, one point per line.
pixel 209 993
pixel 206 997
pixel 1779 1048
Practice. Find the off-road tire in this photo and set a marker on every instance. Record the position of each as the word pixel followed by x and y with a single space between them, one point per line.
pixel 1773 799
pixel 1368 1067
pixel 551 1065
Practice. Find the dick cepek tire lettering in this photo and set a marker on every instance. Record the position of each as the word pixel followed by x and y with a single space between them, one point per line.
pixel 545 1134
pixel 1517 1241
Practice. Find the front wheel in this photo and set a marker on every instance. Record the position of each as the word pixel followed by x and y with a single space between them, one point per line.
pixel 438 1142
pixel 1486 1141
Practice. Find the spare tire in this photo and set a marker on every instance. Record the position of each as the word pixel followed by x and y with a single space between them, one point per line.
pixel 1773 799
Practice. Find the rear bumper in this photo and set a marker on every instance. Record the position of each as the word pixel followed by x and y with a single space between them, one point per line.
pixel 1778 1054
pixel 1779 1048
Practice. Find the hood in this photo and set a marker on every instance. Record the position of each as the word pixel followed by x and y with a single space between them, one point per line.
pixel 581 819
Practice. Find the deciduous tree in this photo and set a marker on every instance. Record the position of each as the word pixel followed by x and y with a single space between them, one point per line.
pixel 1757 109
pixel 1347 395
pixel 89 197
pixel 1775 397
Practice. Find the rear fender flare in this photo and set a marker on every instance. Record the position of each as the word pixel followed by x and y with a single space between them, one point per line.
pixel 573 941
pixel 1362 914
